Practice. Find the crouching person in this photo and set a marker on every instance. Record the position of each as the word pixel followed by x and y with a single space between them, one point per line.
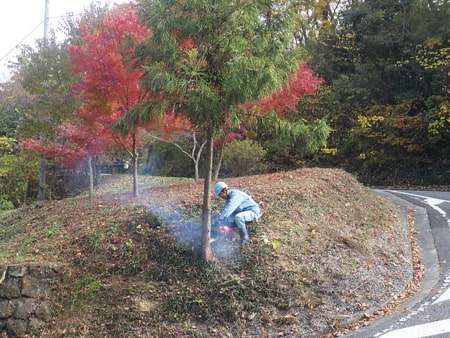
pixel 239 208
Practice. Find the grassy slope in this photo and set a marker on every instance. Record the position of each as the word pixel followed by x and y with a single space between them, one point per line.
pixel 326 251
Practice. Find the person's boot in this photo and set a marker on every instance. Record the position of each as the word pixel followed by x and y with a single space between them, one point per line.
pixel 244 235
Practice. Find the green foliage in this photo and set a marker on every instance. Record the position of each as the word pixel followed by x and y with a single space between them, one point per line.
pixel 13 104
pixel 85 289
pixel 5 204
pixel 17 170
pixel 223 54
pixel 439 127
pixel 308 138
pixel 289 142
pixel 387 143
pixel 242 158
pixel 387 64
pixel 44 74
pixel 7 145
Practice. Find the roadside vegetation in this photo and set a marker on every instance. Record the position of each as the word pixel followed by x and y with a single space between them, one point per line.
pixel 326 252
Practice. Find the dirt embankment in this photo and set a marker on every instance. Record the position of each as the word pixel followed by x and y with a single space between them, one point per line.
pixel 326 252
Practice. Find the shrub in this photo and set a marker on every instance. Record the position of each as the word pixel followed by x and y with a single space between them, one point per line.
pixel 244 157
pixel 5 204
pixel 17 171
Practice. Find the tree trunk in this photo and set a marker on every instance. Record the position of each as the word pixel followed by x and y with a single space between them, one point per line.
pixel 41 179
pixel 91 178
pixel 135 168
pixel 97 171
pixel 219 159
pixel 207 254
pixel 196 170
pixel 196 158
pixel 147 168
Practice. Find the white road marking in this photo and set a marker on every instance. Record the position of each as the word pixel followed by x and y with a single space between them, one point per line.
pixel 432 328
pixel 445 296
pixel 418 331
pixel 432 202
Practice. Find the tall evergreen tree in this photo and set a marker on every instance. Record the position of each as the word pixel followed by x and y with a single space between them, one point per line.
pixel 206 57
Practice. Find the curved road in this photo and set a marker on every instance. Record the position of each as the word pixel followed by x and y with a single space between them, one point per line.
pixel 427 314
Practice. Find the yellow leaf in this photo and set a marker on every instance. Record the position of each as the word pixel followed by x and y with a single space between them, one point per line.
pixel 275 244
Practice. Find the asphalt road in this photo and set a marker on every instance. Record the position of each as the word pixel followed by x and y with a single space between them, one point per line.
pixel 427 314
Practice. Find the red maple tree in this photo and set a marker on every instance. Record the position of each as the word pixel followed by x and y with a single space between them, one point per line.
pixel 109 85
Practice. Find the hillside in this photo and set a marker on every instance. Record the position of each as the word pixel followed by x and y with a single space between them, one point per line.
pixel 326 252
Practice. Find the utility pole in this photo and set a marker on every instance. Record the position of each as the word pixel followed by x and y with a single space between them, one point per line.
pixel 42 161
pixel 46 20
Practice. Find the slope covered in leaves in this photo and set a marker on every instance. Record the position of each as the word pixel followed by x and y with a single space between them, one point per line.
pixel 326 251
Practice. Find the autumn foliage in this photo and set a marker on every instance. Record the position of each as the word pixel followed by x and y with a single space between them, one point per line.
pixel 302 83
pixel 109 81
pixel 108 87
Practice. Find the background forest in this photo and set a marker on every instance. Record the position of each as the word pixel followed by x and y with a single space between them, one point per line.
pixel 368 92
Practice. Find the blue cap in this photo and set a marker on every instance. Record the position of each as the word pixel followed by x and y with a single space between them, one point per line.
pixel 219 186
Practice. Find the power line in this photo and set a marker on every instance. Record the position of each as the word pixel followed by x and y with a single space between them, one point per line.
pixel 3 57
pixel 34 29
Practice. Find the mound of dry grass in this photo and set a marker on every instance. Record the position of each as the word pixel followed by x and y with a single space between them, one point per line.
pixel 326 251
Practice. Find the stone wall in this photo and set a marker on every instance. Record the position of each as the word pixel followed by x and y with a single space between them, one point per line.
pixel 25 297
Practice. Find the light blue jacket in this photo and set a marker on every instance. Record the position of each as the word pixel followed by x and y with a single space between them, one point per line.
pixel 238 201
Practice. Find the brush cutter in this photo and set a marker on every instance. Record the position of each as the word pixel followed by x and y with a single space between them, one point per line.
pixel 223 231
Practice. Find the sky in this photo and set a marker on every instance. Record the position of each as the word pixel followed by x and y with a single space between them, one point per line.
pixel 22 22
